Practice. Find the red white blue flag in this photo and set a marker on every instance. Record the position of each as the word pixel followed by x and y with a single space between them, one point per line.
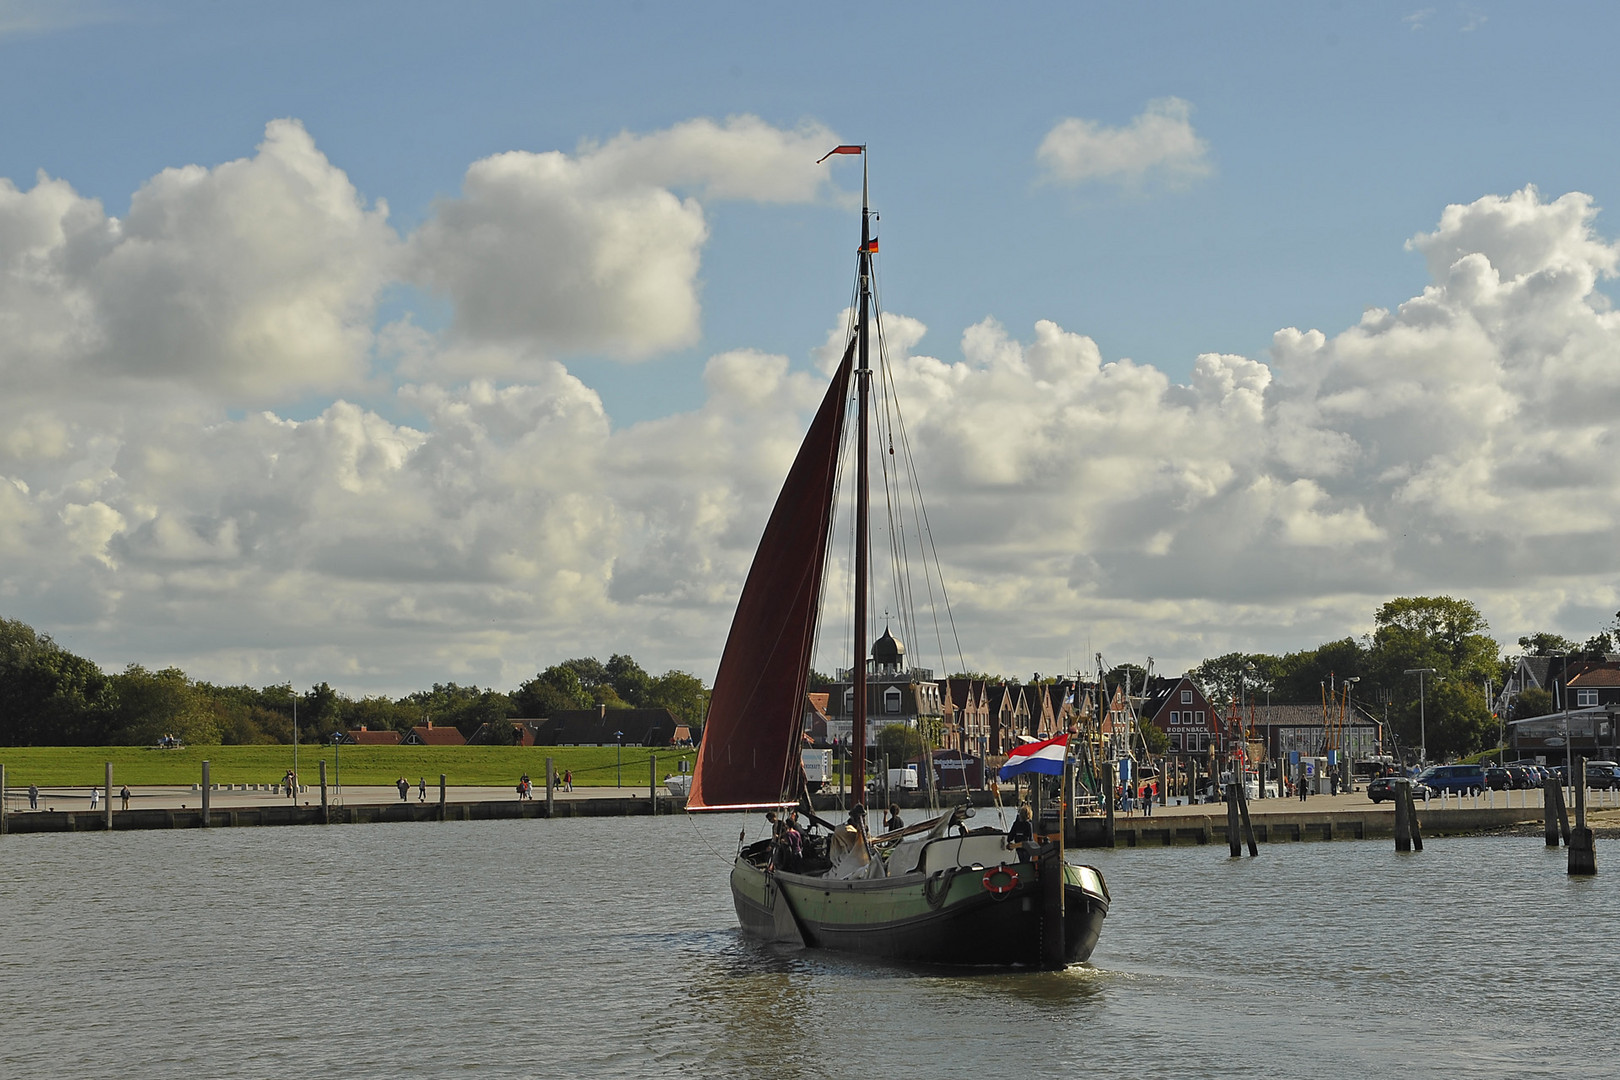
pixel 1037 757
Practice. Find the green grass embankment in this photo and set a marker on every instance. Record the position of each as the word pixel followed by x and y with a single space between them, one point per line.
pixel 464 766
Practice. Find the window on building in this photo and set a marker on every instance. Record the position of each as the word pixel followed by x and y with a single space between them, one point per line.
pixel 1175 740
pixel 1175 717
pixel 891 700
pixel 849 702
pixel 1201 718
pixel 1186 697
pixel 1584 698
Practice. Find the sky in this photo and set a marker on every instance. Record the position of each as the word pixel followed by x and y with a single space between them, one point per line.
pixel 393 344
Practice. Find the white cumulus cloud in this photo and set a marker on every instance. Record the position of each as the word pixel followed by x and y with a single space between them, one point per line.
pixel 1158 142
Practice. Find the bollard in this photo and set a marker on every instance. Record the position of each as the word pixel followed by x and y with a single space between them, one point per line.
pixel 326 812
pixel 108 794
pixel 441 796
pixel 551 776
pixel 205 795
pixel 652 782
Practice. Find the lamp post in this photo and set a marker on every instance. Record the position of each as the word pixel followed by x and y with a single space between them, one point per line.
pixel 618 737
pixel 1423 727
pixel 295 743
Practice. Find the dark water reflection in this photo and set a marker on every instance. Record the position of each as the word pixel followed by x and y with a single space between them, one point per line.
pixel 607 948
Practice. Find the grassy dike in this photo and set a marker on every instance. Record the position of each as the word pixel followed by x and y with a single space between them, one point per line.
pixel 477 766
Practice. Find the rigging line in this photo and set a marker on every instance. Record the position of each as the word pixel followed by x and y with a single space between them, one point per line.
pixel 925 529
pixel 690 817
pixel 900 550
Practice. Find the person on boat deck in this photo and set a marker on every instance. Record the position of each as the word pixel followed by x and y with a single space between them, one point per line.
pixel 893 822
pixel 1022 832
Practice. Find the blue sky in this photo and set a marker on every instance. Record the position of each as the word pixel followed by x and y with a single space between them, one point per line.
pixel 1330 135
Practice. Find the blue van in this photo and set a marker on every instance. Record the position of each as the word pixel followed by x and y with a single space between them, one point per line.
pixel 1465 779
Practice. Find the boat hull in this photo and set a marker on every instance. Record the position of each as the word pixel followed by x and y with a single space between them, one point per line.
pixel 951 919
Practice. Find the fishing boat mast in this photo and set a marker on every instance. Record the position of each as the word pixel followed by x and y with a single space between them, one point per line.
pixel 863 382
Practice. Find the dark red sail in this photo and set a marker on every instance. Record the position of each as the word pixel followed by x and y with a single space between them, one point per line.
pixel 750 752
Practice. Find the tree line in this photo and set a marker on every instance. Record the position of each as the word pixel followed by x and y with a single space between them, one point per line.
pixel 51 697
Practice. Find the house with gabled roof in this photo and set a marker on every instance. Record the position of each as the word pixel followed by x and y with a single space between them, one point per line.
pixel 969 712
pixel 428 735
pixel 1179 708
pixel 363 736
pixel 603 726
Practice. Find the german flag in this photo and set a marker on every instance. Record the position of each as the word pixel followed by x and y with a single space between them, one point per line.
pixel 871 247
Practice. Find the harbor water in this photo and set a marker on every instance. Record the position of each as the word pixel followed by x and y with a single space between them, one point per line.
pixel 608 947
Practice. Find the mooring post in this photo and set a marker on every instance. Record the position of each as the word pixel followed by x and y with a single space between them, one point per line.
pixel 326 812
pixel 107 794
pixel 205 799
pixel 1549 809
pixel 1417 824
pixel 1403 815
pixel 1582 856
pixel 1234 837
pixel 1248 825
pixel 551 777
pixel 652 782
pixel 1563 816
pixel 2 800
pixel 441 796
pixel 1108 802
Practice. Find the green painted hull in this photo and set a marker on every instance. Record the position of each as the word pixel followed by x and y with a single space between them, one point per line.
pixel 951 918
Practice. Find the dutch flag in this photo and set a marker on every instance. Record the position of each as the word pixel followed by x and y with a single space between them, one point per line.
pixel 1037 757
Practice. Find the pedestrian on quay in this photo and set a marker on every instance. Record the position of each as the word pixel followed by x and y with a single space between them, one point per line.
pixel 1147 800
pixel 421 789
pixel 95 797
pixel 568 779
pixel 404 787
pixel 124 795
pixel 33 796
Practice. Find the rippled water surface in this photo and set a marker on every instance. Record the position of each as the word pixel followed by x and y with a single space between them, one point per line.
pixel 594 948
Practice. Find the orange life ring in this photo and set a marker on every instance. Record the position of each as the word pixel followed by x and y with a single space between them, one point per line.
pixel 1003 889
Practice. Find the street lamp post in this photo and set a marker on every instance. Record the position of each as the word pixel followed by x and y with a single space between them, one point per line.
pixel 337 764
pixel 1423 727
pixel 619 738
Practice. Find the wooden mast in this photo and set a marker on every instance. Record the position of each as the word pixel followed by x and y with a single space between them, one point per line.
pixel 863 382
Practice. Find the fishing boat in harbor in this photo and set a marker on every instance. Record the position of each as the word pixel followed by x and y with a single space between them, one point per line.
pixel 937 892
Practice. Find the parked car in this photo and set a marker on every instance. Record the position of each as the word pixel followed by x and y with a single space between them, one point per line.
pixel 1602 775
pixel 1464 779
pixel 1499 779
pixel 1383 787
pixel 1520 778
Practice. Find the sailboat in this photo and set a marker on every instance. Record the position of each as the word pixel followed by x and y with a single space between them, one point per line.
pixel 937 892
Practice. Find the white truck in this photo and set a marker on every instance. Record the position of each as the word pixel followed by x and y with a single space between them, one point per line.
pixel 818 768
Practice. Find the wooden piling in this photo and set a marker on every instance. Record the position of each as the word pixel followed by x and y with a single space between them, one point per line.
pixel 2 800
pixel 551 777
pixel 205 799
pixel 1549 804
pixel 326 810
pixel 1248 825
pixel 652 782
pixel 108 795
pixel 1108 802
pixel 1234 838
pixel 441 796
pixel 1416 822
pixel 1403 816
pixel 1582 856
